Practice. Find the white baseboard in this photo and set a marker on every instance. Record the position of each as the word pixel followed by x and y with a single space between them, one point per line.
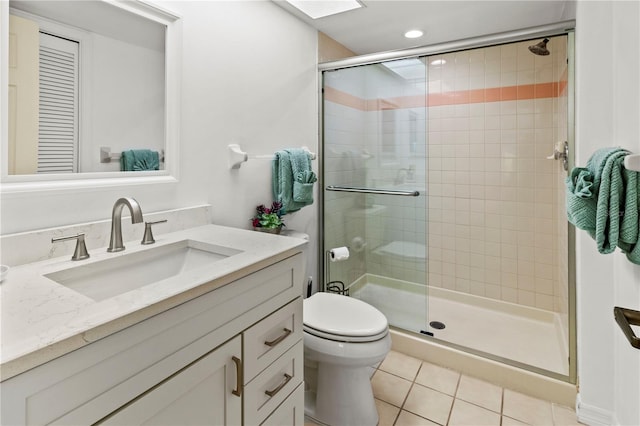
pixel 594 416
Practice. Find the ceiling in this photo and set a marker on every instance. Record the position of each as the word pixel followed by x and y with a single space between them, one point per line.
pixel 99 17
pixel 381 24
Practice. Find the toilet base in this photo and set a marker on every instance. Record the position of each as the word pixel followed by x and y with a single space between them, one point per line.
pixel 344 397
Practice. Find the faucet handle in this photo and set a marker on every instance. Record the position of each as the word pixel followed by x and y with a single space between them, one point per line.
pixel 81 248
pixel 148 234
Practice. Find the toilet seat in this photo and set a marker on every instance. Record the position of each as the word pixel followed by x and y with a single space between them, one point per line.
pixel 342 318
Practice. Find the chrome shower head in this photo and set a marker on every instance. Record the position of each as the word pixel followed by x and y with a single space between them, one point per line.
pixel 540 48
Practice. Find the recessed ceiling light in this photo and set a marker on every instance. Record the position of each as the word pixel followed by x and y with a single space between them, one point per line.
pixel 320 8
pixel 413 34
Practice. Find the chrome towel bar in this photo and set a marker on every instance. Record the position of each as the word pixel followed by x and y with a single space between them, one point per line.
pixel 237 156
pixel 372 191
pixel 106 156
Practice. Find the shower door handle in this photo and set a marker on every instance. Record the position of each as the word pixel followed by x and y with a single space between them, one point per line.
pixel 372 191
pixel 561 152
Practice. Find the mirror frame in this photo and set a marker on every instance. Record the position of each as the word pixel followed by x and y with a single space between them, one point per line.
pixel 62 181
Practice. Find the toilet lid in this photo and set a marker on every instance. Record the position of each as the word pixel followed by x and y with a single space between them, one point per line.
pixel 344 318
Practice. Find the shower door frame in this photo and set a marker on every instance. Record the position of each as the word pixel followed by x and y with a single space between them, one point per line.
pixel 553 29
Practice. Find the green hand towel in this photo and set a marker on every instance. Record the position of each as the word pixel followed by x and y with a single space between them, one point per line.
pixel 581 200
pixel 139 159
pixel 603 199
pixel 289 170
pixel 282 182
pixel 629 241
pixel 583 186
pixel 611 198
pixel 303 186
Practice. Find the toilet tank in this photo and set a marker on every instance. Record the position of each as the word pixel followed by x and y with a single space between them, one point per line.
pixel 307 286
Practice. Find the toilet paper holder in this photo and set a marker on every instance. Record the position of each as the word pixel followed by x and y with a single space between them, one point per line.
pixel 334 286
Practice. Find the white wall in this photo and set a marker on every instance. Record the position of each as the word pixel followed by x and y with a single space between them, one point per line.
pixel 249 77
pixel 127 101
pixel 608 107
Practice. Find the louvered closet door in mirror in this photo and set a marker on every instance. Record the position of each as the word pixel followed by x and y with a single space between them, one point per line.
pixel 58 130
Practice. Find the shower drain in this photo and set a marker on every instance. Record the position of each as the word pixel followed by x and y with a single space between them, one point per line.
pixel 437 325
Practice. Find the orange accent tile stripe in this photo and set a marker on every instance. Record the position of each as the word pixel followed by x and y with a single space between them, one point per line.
pixel 563 83
pixel 494 94
pixel 344 98
pixel 415 101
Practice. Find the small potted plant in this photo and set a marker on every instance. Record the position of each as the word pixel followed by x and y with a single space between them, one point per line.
pixel 268 219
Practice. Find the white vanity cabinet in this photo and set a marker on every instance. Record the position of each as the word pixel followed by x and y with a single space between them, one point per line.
pixel 228 357
pixel 200 394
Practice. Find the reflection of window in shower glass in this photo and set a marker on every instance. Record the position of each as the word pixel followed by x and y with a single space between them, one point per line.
pixel 413 136
pixel 387 131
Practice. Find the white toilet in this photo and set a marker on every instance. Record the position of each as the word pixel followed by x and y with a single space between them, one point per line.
pixel 343 338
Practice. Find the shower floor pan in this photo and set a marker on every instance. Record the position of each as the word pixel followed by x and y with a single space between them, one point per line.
pixel 526 335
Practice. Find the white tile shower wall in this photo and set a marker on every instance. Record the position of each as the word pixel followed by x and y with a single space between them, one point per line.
pixel 369 144
pixel 344 166
pixel 493 196
pixel 398 137
pixel 491 206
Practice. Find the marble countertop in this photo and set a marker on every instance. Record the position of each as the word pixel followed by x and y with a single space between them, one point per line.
pixel 42 320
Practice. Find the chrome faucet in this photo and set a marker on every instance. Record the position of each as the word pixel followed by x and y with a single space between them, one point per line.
pixel 115 244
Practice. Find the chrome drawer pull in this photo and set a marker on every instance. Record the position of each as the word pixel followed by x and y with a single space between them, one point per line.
pixel 272 343
pixel 271 393
pixel 239 379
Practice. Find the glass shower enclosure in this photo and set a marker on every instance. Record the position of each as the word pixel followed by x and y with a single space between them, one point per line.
pixel 375 179
pixel 437 178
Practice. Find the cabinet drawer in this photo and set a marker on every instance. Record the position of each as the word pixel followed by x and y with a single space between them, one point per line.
pixel 271 387
pixel 265 341
pixel 290 412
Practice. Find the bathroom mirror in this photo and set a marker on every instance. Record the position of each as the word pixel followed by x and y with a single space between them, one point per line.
pixel 94 78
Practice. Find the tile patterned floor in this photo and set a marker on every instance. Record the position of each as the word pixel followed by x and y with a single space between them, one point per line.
pixel 411 392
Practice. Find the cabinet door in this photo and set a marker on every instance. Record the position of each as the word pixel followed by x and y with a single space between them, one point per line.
pixel 199 394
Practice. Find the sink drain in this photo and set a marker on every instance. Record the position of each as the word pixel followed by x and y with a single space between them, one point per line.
pixel 437 325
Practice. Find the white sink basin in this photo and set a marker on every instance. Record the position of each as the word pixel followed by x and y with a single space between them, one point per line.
pixel 111 277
